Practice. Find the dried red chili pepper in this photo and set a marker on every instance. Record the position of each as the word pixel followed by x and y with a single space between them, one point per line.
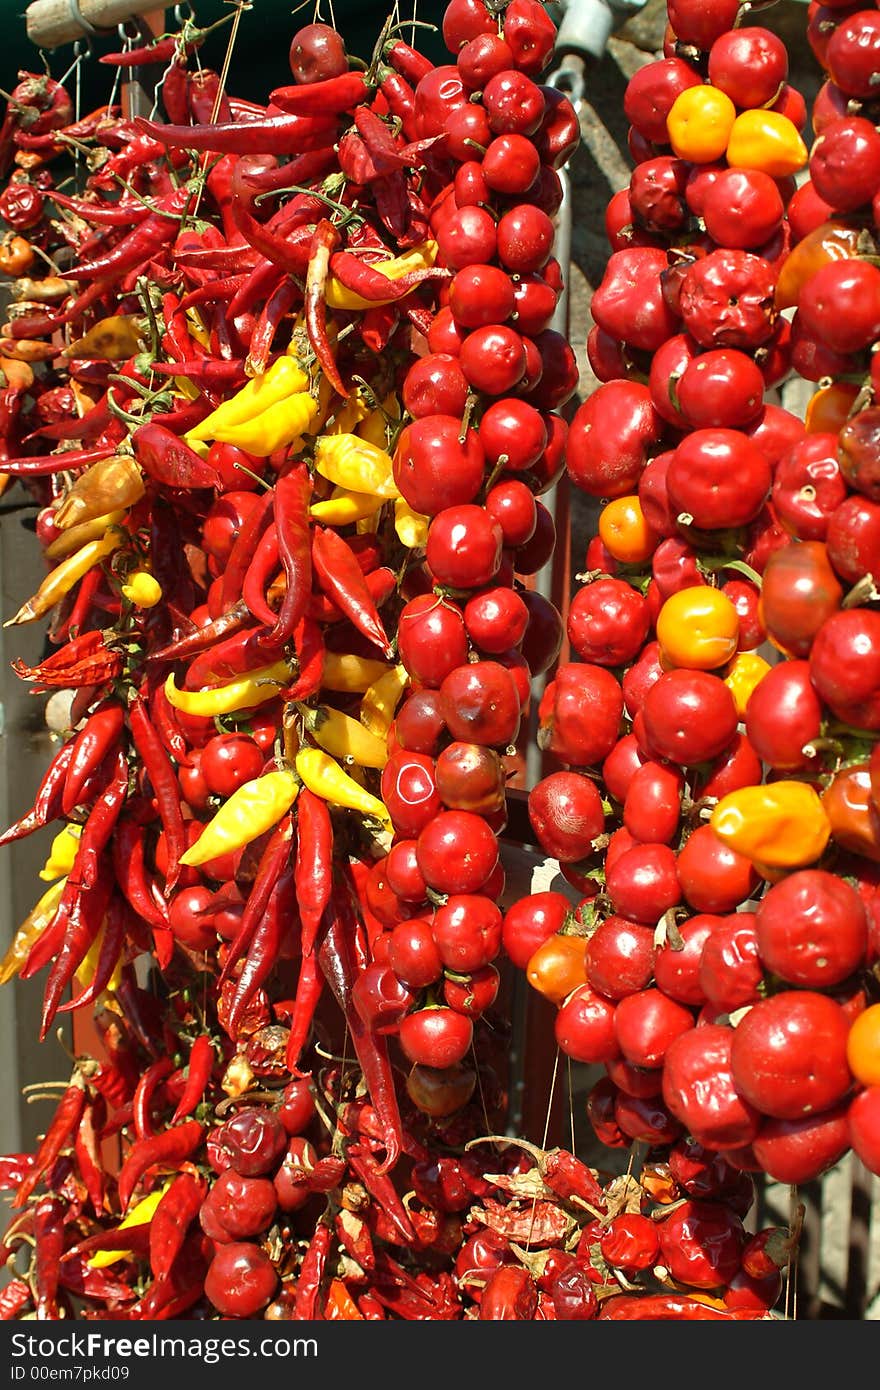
pixel 198 1074
pixel 47 803
pixel 87 1152
pixel 65 1122
pixel 139 246
pixel 273 862
pixel 84 660
pixel 325 240
pixel 264 949
pixel 90 747
pixel 14 1299
pixel 260 574
pixel 172 1219
pixel 157 766
pixel 79 915
pixel 308 1285
pixel 110 951
pixel 170 1148
pixel 144 1095
pixel 48 1245
pixel 340 577
pixel 242 553
pixel 293 494
pixel 314 864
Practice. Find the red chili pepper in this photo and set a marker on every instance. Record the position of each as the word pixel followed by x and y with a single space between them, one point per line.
pixel 407 60
pixel 309 988
pixel 400 96
pixel 14 1169
pixel 242 553
pixel 90 747
pixel 112 942
pixel 145 1093
pixel 199 1068
pixel 293 495
pixel 273 862
pixel 76 617
pixel 381 584
pixel 102 214
pixel 80 913
pixel 206 98
pixel 202 638
pixel 336 958
pixel 286 250
pixel 284 134
pixel 308 641
pixel 341 578
pixel 301 170
pixel 64 1125
pixel 14 1298
pixel 140 245
pixel 276 308
pixel 47 803
pixel 308 1285
pixel 314 864
pixel 568 1177
pixel 336 94
pixel 260 574
pixel 37 465
pixel 49 1243
pixel 134 1238
pixel 170 1148
pixel 383 1192
pixel 172 1219
pixel 168 461
pixel 87 1152
pixel 354 1238
pixel 264 948
pixel 157 766
pixel 325 239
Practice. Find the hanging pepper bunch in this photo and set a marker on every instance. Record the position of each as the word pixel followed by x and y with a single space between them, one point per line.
pixel 718 798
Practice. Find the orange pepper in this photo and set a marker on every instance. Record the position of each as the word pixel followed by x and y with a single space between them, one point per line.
pixel 745 672
pixel 697 628
pixel 828 408
pixel 340 1303
pixel 768 141
pixel 558 966
pixel 699 123
pixel 625 532
pixel 782 824
pixel 832 241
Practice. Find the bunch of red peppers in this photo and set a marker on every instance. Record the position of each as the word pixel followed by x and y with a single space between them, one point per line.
pixel 283 383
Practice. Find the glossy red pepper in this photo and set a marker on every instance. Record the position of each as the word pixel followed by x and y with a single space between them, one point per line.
pixel 169 1148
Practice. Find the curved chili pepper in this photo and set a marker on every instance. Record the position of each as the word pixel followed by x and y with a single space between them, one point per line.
pixel 202 638
pixel 103 214
pixel 166 725
pixel 273 862
pixel 381 584
pixel 325 240
pixel 277 306
pixel 157 766
pixel 288 251
pixel 14 1299
pixel 242 552
pixel 81 917
pixel 90 746
pixel 301 170
pixel 172 1219
pixel 65 1122
pixel 407 60
pixel 293 494
pixel 285 134
pixel 170 1147
pixel 109 953
pixel 147 1087
pixel 47 803
pixel 198 1074
pixel 140 245
pixel 263 951
pixel 13 1170
pixel 336 94
pixel 342 579
pixel 309 988
pixel 234 656
pixel 84 598
pixel 36 465
pixel 259 575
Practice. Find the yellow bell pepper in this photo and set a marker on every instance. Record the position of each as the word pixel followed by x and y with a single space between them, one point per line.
pixel 743 675
pixel 253 808
pixel 381 700
pixel 76 536
pixel 699 123
pixel 344 737
pixel 256 688
pixel 284 378
pixel 697 628
pixel 275 428
pixel 781 824
pixel 142 589
pixel 138 1216
pixel 113 484
pixel 343 508
pixel 62 852
pixel 345 673
pixel 355 463
pixel 33 926
pixel 420 257
pixel 411 527
pixel 768 141
pixel 325 778
pixel 62 578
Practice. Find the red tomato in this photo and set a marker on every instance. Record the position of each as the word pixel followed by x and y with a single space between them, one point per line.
pixel 812 929
pixel 699 1089
pixel 584 1027
pixel 645 1024
pixel 229 760
pixel 775 1051
pixel 620 957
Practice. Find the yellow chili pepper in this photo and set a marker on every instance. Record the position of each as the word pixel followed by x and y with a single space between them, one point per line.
pixel 343 507
pixel 62 578
pixel 138 1216
pixel 258 686
pixel 344 737
pixel 697 628
pixel 142 589
pixel 355 463
pixel 110 340
pixel 197 330
pixel 348 674
pixel 381 700
pixel 113 484
pixel 76 536
pixel 323 776
pixel 411 527
pixel 768 141
pixel 351 413
pixel 275 428
pixel 374 429
pixel 284 378
pixel 743 675
pixel 420 257
pixel 62 852
pixel 253 808
pixel 33 926
pixel 781 824
pixel 699 123
pixel 86 969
